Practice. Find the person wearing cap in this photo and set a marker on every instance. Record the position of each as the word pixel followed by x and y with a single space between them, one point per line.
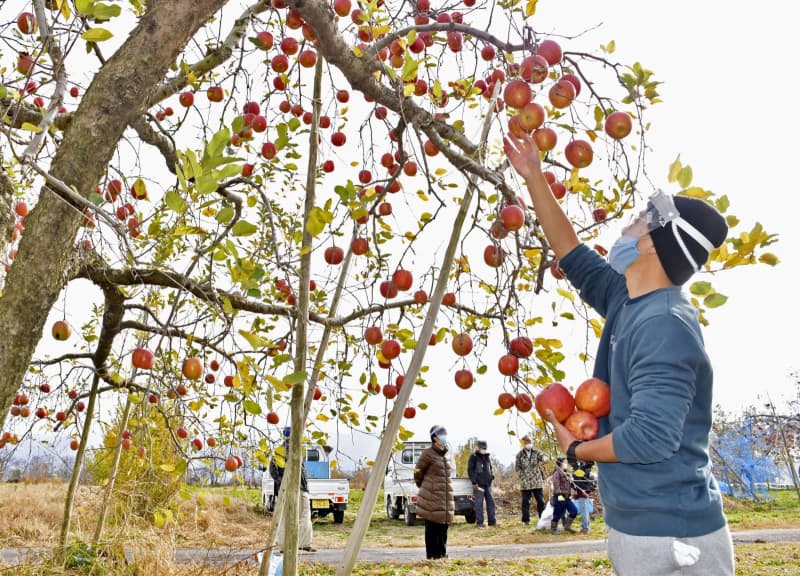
pixel 583 485
pixel 479 470
pixel 662 506
pixel 528 465
pixel 435 501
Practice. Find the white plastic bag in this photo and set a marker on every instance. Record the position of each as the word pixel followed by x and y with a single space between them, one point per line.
pixel 275 565
pixel 545 518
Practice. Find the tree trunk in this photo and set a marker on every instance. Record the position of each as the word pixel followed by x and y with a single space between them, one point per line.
pixel 115 98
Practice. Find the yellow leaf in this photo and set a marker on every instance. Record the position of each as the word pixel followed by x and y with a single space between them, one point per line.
pixel 596 327
pixel 530 8
pixel 440 172
pixel 769 258
pixel 322 418
pixel 333 464
pixel 28 127
pixel 674 169
pixel 566 294
pixel 685 176
pixel 408 89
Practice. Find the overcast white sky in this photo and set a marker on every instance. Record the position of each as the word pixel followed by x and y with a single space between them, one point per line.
pixel 727 80
pixel 728 76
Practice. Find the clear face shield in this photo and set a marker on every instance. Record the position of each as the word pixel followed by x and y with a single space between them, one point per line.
pixel 660 211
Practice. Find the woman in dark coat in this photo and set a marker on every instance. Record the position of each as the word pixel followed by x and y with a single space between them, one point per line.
pixel 435 501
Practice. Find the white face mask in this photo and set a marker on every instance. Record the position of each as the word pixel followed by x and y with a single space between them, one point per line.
pixel 442 440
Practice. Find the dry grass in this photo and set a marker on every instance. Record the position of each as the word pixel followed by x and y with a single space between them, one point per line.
pixel 30 517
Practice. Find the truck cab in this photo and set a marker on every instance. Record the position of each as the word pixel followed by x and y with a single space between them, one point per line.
pixel 400 490
pixel 327 495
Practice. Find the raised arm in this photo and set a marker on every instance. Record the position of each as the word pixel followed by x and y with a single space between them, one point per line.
pixel 523 154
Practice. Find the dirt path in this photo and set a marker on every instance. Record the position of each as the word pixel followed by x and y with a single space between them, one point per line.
pixel 12 556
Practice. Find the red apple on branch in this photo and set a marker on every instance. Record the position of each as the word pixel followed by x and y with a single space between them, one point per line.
pixel 464 379
pixel 618 125
pixel 462 344
pixel 579 153
pixel 142 358
pixel 192 368
pixel 61 330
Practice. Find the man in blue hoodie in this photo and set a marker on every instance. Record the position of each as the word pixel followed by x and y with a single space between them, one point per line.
pixel 662 506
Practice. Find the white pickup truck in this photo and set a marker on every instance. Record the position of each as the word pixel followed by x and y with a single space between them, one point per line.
pixel 400 490
pixel 327 495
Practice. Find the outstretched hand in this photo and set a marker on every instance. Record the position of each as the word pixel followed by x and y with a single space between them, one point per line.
pixel 523 154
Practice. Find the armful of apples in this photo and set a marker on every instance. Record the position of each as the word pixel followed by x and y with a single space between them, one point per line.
pixel 575 417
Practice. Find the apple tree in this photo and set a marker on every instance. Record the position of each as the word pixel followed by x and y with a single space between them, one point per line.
pixel 272 210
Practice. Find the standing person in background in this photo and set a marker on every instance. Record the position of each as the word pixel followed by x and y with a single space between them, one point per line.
pixel 661 504
pixel 528 465
pixel 479 470
pixel 435 501
pixel 584 486
pixel 277 467
pixel 563 506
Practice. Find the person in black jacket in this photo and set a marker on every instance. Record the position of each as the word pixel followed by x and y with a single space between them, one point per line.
pixel 480 473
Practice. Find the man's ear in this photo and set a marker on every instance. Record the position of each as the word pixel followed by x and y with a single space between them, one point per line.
pixel 645 245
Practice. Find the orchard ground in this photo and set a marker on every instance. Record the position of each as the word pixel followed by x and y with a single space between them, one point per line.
pixel 229 519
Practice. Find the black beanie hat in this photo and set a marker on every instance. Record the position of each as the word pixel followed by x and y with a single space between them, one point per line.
pixel 706 220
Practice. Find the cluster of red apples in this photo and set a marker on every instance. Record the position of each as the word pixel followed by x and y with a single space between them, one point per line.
pixel 579 413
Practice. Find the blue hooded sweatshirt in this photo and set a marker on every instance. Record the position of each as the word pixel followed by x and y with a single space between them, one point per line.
pixel 652 354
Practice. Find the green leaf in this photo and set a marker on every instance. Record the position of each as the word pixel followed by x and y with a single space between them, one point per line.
pixel 229 171
pixel 317 220
pixel 206 184
pixel 715 300
pixel 700 288
pixel 84 7
pixel 217 143
pixel 96 35
pixel 251 407
pixel 226 215
pixel 175 202
pixel 295 377
pixel 106 11
pixel 410 67
pixel 244 228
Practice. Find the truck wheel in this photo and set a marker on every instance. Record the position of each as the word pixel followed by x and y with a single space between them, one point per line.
pixel 338 516
pixel 391 512
pixel 411 518
pixel 469 516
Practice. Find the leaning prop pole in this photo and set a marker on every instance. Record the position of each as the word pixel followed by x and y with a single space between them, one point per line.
pixel 364 514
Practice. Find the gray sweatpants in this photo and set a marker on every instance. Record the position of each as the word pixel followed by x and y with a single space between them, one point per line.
pixel 707 555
